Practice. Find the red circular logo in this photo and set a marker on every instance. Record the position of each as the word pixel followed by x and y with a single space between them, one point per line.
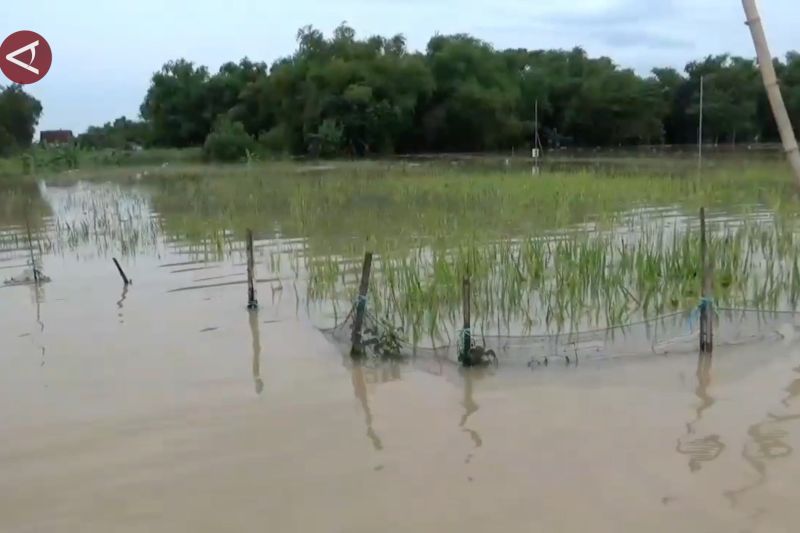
pixel 25 57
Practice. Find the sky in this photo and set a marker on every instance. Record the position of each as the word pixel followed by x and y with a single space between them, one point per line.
pixel 105 51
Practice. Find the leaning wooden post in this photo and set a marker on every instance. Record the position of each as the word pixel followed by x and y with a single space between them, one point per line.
pixel 125 278
pixel 466 334
pixel 772 86
pixel 706 305
pixel 252 302
pixel 357 349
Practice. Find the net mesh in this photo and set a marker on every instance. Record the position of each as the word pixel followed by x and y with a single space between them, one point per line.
pixel 676 332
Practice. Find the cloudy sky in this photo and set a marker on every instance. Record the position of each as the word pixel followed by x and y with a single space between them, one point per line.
pixel 105 51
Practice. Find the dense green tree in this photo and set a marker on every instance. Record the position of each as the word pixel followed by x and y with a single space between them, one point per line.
pixel 616 107
pixel 370 88
pixel 731 91
pixel 225 90
pixel 345 95
pixel 790 77
pixel 120 134
pixel 176 105
pixel 19 115
pixel 473 104
pixel 228 141
pixel 669 83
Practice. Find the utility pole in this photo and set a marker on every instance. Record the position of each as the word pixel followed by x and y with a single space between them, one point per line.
pixel 537 140
pixel 700 126
pixel 782 119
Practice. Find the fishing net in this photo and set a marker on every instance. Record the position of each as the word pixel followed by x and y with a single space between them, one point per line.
pixel 672 333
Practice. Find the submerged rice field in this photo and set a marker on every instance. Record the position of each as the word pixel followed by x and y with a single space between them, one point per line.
pixel 166 405
pixel 548 253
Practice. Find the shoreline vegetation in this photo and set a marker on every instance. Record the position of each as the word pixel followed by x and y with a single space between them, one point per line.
pixel 572 247
pixel 72 163
pixel 582 242
pixel 349 96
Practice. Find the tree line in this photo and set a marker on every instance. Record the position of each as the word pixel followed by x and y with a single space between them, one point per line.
pixel 343 95
pixel 19 115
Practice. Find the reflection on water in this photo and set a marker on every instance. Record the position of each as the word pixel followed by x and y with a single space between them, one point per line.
pixel 702 450
pixel 708 448
pixel 255 334
pixel 755 462
pixel 312 234
pixel 651 467
pixel 793 389
pixel 703 382
pixel 360 391
pixel 470 406
pixel 770 441
pixel 121 303
pixel 766 443
pixel 38 295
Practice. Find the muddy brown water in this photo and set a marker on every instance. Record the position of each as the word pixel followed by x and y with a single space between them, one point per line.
pixel 151 409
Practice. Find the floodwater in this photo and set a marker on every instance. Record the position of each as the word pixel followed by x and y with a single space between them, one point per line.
pixel 167 406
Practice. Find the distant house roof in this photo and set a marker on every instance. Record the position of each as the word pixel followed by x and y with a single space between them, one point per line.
pixel 56 137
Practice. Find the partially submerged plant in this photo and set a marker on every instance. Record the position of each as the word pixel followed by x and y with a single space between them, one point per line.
pixel 384 339
pixel 479 356
pixel 470 353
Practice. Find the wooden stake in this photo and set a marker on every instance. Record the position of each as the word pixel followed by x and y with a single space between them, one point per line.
pixel 466 334
pixel 706 307
pixel 121 272
pixel 252 302
pixel 357 349
pixel 770 79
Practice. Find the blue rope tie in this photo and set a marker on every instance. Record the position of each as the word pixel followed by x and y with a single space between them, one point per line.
pixel 694 316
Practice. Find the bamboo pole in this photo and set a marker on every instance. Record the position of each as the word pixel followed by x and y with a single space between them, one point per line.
pixel 772 86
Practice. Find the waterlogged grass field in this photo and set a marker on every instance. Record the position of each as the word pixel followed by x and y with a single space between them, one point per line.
pixel 566 247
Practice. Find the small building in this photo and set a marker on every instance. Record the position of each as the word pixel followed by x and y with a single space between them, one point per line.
pixel 56 137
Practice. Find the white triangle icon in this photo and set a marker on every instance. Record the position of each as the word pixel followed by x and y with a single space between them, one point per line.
pixel 12 57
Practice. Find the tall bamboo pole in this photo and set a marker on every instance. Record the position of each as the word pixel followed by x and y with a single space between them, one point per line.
pixel 773 88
